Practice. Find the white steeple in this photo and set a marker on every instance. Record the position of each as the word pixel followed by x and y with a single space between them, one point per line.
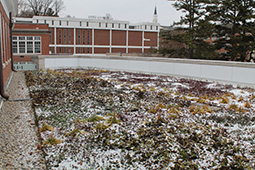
pixel 155 16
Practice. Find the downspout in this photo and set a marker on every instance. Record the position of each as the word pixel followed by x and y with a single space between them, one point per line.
pixel 2 93
pixel 11 25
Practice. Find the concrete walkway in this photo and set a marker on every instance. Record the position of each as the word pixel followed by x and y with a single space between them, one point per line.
pixel 18 133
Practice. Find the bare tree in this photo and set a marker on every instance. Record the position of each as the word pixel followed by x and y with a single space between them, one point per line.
pixel 24 10
pixel 58 6
pixel 41 7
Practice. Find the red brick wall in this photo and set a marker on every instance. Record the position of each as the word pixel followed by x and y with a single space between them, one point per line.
pixel 135 38
pixel 31 26
pixel 134 50
pixel 101 50
pixel 118 50
pixel 17 58
pixel 6 72
pixel 153 39
pixel 119 38
pixel 52 49
pixel 5 43
pixel 102 37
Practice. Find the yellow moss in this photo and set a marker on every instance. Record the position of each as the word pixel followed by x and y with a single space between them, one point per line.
pixel 205 97
pixel 46 128
pixel 233 107
pixel 191 95
pixel 228 94
pixel 185 98
pixel 152 89
pixel 52 141
pixel 173 110
pixel 247 105
pixel 153 110
pixel 224 100
pixel 161 93
pixel 206 109
pixel 95 118
pixel 177 93
pixel 240 99
pixel 161 105
pixel 113 119
pixel 192 108
pixel 201 100
pixel 252 97
pixel 136 88
pixel 101 126
pixel 241 110
pixel 212 98
pixel 73 133
pixel 234 97
pixel 173 116
pixel 198 111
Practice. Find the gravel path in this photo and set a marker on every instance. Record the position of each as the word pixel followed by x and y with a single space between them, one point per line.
pixel 18 132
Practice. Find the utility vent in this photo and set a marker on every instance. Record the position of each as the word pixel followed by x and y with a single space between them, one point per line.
pixel 23 66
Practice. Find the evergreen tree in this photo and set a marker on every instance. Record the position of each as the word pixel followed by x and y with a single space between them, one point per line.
pixel 192 30
pixel 233 26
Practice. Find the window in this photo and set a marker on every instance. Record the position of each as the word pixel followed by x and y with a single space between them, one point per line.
pixel 59 36
pixel 30 48
pixel 65 36
pixel 80 23
pixel 26 45
pixel 22 45
pixel 151 27
pixel 99 24
pixel 87 24
pixel 60 23
pixel 50 37
pixel 52 22
pixel 45 22
pixel 112 25
pixel 70 36
pixel 37 46
pixel 67 23
pixel 83 37
pixel 88 37
pixel 145 27
pixel 106 25
pixel 79 36
pixel 119 25
pixel 125 25
pixel 15 47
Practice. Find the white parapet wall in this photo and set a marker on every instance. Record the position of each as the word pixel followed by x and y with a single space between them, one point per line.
pixel 224 71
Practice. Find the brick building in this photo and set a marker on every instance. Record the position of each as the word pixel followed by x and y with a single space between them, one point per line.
pixel 95 35
pixel 30 39
pixel 7 9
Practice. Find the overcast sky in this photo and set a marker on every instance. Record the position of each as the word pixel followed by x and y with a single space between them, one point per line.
pixel 129 10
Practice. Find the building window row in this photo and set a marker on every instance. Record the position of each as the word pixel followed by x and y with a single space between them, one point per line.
pixel 26 44
pixel 67 23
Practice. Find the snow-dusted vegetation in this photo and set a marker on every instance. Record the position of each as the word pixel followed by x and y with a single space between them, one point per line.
pixel 95 119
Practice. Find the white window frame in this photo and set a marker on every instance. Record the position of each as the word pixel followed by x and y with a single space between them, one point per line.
pixel 26 40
